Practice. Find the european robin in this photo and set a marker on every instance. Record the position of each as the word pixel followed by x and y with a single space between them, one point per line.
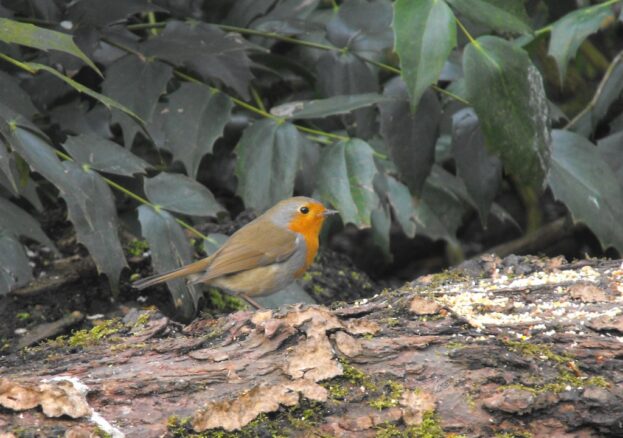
pixel 262 257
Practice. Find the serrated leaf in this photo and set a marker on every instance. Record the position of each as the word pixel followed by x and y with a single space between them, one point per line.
pixel 481 171
pixel 569 32
pixel 363 27
pixel 26 34
pixel 611 150
pixel 582 180
pixel 425 34
pixel 343 75
pixel 315 109
pixel 410 138
pixel 170 250
pixel 193 120
pixel 268 158
pixel 345 179
pixel 500 15
pixel 136 84
pixel 402 204
pixel 15 270
pixel 90 204
pixel 93 213
pixel 104 155
pixel 20 223
pixel 99 13
pixel 179 193
pixel 207 50
pixel 507 93
pixel 107 101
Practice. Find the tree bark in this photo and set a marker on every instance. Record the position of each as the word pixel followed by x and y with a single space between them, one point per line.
pixel 518 346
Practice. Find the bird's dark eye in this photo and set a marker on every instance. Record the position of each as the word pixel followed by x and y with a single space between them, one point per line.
pixel 304 210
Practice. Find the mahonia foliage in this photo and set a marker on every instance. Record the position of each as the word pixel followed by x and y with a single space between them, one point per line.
pixel 406 112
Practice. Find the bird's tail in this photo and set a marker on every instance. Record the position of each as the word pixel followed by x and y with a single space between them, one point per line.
pixel 184 271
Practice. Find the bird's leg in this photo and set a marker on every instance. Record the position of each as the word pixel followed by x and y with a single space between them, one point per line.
pixel 251 301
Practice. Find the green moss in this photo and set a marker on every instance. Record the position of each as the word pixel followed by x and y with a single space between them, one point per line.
pixel 539 351
pixel 23 316
pixel 388 430
pixel 143 319
pixel 390 398
pixel 337 391
pixel 84 338
pixel 356 376
pixel 223 302
pixel 454 345
pixel 137 247
pixel 447 276
pixel 5 344
pixel 513 434
pixel 307 277
pixel 429 428
pixel 101 433
pixel 392 322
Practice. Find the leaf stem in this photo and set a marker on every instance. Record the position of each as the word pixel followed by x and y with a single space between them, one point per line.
pixel 466 32
pixel 18 64
pixel 138 198
pixel 311 44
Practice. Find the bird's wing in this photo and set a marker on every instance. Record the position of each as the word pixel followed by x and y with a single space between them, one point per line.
pixel 248 248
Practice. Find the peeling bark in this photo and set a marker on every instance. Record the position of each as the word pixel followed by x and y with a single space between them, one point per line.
pixel 527 346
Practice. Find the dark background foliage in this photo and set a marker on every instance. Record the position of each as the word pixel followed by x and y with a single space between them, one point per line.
pixel 466 122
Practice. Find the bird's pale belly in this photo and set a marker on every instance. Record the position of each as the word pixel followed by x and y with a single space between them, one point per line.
pixel 256 282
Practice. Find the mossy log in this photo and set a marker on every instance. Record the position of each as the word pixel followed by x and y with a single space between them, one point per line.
pixel 510 348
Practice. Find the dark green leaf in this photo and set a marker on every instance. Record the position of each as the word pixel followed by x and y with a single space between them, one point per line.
pixel 13 96
pixel 345 179
pixel 138 85
pixel 90 203
pixel 314 109
pixel 410 138
pixel 507 93
pixel 500 15
pixel 346 74
pixel 100 13
pixel 8 169
pixel 80 117
pixel 381 221
pixel 20 223
pixel 29 35
pixel 92 211
pixel 609 91
pixel 438 214
pixel 104 155
pixel 207 50
pixel 107 101
pixel 179 193
pixel 15 270
pixel 425 36
pixel 193 120
pixel 214 242
pixel 571 31
pixel 402 203
pixel 268 158
pixel 481 172
pixel 170 250
pixel 611 150
pixel 362 26
pixel 243 12
pixel 582 180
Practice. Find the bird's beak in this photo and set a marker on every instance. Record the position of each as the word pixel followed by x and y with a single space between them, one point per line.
pixel 328 212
